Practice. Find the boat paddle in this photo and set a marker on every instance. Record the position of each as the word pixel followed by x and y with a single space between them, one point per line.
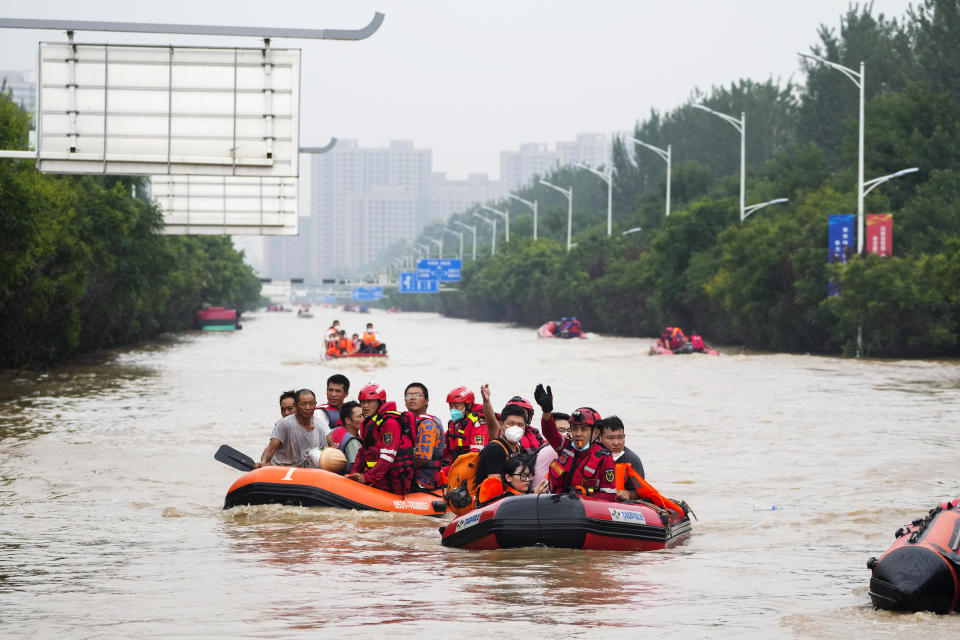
pixel 236 459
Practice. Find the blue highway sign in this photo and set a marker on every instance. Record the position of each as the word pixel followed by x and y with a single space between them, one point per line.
pixel 410 283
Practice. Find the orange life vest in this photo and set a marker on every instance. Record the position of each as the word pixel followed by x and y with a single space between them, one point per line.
pixel 370 338
pixel 492 488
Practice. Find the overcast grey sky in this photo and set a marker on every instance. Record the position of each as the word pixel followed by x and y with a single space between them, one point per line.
pixel 468 79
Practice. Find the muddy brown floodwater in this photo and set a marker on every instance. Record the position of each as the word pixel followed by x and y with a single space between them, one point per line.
pixel 111 520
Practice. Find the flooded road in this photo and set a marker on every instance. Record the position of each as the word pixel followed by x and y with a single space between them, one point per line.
pixel 112 522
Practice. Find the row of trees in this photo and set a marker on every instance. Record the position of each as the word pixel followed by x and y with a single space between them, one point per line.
pixel 82 266
pixel 763 283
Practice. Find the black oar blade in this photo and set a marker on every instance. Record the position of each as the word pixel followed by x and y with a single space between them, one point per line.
pixel 230 456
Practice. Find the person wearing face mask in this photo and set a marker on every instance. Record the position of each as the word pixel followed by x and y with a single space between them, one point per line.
pixel 506 445
pixel 466 430
pixel 583 464
pixel 513 480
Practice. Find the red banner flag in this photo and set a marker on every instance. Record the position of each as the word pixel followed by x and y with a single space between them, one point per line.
pixel 880 234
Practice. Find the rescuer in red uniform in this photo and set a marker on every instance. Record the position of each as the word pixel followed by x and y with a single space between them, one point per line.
pixel 466 430
pixel 583 464
pixel 385 459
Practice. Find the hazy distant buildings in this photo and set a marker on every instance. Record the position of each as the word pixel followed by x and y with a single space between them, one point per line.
pixel 362 200
pixel 22 86
pixel 517 168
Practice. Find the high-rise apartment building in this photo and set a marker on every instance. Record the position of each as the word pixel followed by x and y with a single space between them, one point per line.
pixel 518 168
pixel 22 86
pixel 362 200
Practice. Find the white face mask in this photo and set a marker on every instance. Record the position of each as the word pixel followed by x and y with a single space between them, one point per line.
pixel 581 447
pixel 513 434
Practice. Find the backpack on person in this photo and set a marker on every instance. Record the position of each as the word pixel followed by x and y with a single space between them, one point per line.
pixel 462 482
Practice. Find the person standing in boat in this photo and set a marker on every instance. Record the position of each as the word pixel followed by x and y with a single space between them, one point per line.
pixel 583 464
pixel 385 460
pixel 428 436
pixel 296 434
pixel 338 386
pixel 613 437
pixel 346 436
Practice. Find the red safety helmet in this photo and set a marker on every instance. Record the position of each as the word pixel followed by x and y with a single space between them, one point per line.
pixel 372 392
pixel 586 416
pixel 460 394
pixel 523 404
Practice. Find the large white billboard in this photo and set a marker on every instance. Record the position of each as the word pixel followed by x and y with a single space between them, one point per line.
pixel 148 110
pixel 226 205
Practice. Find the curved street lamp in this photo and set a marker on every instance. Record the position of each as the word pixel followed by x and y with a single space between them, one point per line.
pixel 757 207
pixel 505 214
pixel 457 233
pixel 532 205
pixel 568 193
pixel 665 155
pixel 493 236
pixel 741 126
pixel 606 176
pixel 857 79
pixel 473 230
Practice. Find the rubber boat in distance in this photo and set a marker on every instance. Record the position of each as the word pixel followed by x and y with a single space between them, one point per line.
pixel 567 521
pixel 921 569
pixel 547 329
pixel 298 486
pixel 657 349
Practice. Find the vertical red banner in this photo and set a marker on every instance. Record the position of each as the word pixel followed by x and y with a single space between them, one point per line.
pixel 880 234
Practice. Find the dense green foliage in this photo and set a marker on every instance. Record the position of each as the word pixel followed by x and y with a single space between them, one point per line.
pixel 82 266
pixel 762 283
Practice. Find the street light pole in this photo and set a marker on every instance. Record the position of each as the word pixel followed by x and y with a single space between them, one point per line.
pixel 857 79
pixel 741 126
pixel 426 248
pixel 457 233
pixel 568 193
pixel 505 214
pixel 664 154
pixel 493 236
pixel 473 230
pixel 757 207
pixel 439 244
pixel 532 205
pixel 606 176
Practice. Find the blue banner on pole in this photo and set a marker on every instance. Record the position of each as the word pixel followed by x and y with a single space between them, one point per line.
pixel 410 283
pixel 841 237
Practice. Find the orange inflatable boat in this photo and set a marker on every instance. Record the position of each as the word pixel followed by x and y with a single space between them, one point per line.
pixel 298 486
pixel 921 569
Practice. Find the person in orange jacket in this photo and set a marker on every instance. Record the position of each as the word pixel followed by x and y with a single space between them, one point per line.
pixel 513 480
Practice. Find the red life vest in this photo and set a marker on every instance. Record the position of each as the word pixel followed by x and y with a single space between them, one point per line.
pixel 582 471
pixel 457 442
pixel 697 343
pixel 532 441
pixel 400 473
pixel 340 437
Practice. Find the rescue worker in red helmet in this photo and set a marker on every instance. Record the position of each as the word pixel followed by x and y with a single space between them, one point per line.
pixel 385 459
pixel 583 464
pixel 466 430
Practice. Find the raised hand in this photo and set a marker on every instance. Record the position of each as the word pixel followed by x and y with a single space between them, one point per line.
pixel 485 392
pixel 544 398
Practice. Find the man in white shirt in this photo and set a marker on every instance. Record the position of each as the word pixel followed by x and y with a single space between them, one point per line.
pixel 296 434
